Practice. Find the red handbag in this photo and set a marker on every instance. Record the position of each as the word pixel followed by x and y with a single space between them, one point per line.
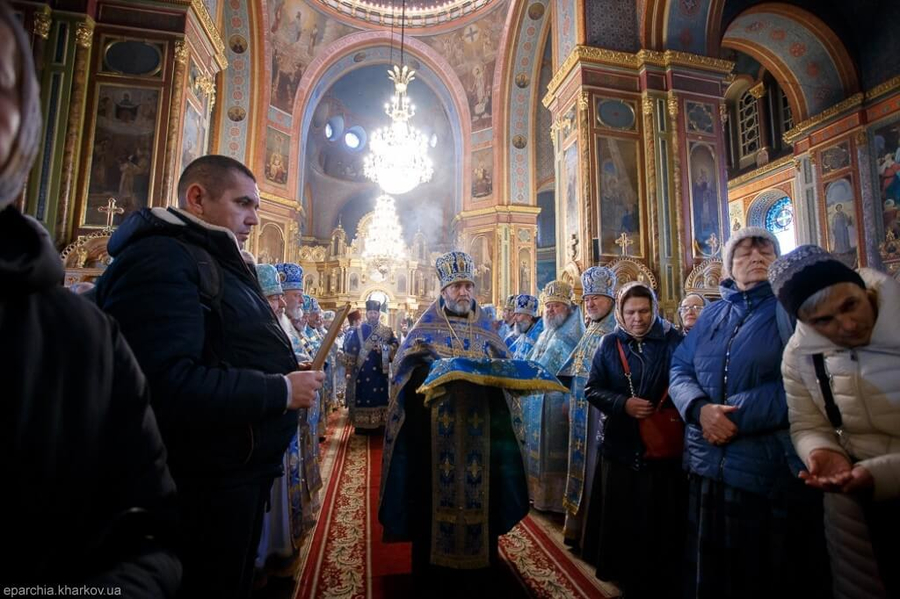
pixel 662 433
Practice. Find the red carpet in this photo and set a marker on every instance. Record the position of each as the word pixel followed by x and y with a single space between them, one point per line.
pixel 344 557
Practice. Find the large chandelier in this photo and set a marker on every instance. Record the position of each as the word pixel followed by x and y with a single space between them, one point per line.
pixel 384 239
pixel 399 160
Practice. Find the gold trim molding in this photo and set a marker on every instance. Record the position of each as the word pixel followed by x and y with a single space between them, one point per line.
pixel 643 58
pixel 281 201
pixel 763 170
pixel 758 91
pixel 890 85
pixel 507 209
pixel 804 127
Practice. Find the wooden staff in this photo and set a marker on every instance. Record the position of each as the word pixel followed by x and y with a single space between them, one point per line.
pixel 318 362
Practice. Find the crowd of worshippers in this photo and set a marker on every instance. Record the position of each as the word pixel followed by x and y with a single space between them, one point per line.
pixel 160 433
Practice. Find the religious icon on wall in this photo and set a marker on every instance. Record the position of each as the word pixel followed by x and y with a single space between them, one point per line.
pixel 841 229
pixel 193 140
pixel 524 271
pixel 482 173
pixel 705 211
pixel 620 210
pixel 570 205
pixel 122 156
pixel 278 147
pixel 271 244
pixel 887 163
pixel 481 251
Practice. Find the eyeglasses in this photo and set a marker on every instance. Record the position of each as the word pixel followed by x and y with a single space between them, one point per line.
pixel 690 309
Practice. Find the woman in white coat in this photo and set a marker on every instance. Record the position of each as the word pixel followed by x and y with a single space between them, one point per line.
pixel 841 373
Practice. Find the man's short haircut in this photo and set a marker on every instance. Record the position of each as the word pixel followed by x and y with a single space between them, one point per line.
pixel 214 172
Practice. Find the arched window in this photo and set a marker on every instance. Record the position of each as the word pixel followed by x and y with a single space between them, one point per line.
pixel 748 125
pixel 787 117
pixel 780 222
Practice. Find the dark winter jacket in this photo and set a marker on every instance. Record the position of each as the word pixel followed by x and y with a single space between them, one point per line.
pixel 607 387
pixel 739 333
pixel 216 374
pixel 87 497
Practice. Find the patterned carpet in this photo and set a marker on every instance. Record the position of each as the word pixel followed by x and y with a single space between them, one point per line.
pixel 345 558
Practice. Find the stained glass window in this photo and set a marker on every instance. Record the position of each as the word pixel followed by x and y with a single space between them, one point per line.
pixel 780 222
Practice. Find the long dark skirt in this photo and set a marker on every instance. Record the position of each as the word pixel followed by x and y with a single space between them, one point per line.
pixel 642 526
pixel 741 544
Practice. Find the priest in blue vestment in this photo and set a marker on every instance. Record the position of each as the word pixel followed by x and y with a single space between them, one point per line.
pixel 598 285
pixel 453 479
pixel 546 415
pixel 368 351
pixel 527 328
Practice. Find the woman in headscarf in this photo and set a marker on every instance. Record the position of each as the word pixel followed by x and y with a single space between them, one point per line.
pixel 642 499
pixel 87 497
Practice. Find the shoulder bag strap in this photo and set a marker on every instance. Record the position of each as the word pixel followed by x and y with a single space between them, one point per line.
pixel 831 409
pixel 625 366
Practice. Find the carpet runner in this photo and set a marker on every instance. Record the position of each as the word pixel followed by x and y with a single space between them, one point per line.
pixel 345 558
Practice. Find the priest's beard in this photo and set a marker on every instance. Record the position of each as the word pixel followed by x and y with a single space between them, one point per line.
pixel 295 313
pixel 555 321
pixel 460 308
pixel 522 327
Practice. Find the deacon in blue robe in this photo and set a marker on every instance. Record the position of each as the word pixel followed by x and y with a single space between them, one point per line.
pixel 368 351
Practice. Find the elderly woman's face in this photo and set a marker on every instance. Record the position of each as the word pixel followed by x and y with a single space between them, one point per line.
pixel 690 310
pixel 10 113
pixel 751 261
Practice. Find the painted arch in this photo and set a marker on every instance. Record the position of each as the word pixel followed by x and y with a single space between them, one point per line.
pixel 809 61
pixel 375 48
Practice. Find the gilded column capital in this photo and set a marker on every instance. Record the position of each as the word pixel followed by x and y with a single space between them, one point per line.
pixel 584 101
pixel 723 112
pixel 861 138
pixel 672 104
pixel 758 91
pixel 812 159
pixel 84 34
pixel 647 104
pixel 797 163
pixel 42 23
pixel 181 52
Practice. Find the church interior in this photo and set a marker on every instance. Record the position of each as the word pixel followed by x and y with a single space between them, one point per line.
pixel 559 134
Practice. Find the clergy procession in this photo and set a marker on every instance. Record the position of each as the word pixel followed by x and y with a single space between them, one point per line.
pixel 202 420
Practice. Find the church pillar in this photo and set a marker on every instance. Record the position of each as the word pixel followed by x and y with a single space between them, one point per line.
pixel 182 54
pixel 869 200
pixel 84 35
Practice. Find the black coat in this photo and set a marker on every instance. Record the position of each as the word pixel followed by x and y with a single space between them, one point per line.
pixel 223 419
pixel 82 464
pixel 607 387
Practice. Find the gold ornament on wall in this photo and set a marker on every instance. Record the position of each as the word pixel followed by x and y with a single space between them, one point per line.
pixel 181 52
pixel 42 23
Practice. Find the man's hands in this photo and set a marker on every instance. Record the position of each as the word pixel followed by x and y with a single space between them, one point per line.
pixel 718 429
pixel 638 408
pixel 304 385
pixel 830 470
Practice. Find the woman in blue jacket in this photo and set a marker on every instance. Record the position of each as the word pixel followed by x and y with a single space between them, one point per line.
pixel 642 500
pixel 754 530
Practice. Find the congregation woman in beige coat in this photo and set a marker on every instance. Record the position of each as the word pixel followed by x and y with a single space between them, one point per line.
pixel 841 374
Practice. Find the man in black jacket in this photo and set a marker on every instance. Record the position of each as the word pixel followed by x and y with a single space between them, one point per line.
pixel 223 374
pixel 87 498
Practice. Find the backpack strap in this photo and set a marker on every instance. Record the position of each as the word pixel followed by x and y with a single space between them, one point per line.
pixel 786 323
pixel 209 276
pixel 831 408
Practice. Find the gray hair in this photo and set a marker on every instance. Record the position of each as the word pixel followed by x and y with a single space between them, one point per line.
pixel 813 302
